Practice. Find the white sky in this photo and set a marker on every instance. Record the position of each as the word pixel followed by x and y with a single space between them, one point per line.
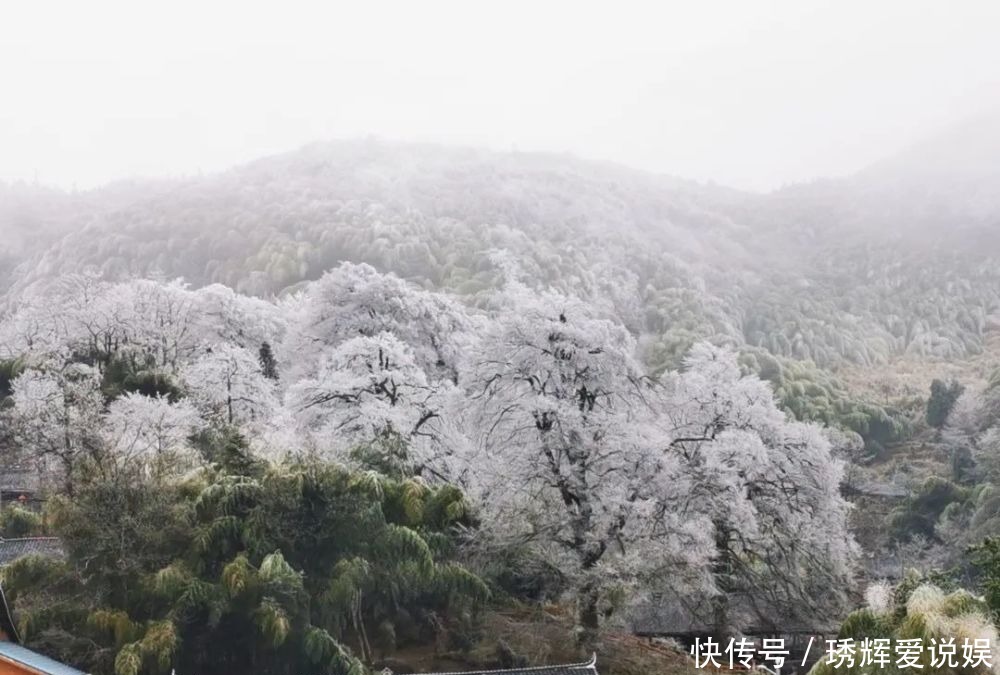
pixel 751 93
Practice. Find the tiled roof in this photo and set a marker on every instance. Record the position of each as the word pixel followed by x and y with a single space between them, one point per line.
pixel 12 549
pixel 15 478
pixel 42 664
pixel 574 669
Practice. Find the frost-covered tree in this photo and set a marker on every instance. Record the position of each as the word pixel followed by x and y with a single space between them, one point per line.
pixel 368 390
pixel 69 313
pixel 227 385
pixel 766 487
pixel 223 315
pixel 55 417
pixel 150 431
pixel 357 301
pixel 164 319
pixel 536 403
pixel 94 321
pixel 565 455
pixel 702 480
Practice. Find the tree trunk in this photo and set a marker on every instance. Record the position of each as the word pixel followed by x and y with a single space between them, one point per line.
pixel 722 571
pixel 588 617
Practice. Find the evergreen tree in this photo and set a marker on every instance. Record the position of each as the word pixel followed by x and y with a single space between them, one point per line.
pixel 275 573
pixel 941 401
pixel 268 364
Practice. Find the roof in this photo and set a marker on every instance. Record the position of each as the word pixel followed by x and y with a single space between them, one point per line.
pixel 35 662
pixel 573 669
pixel 12 549
pixel 18 478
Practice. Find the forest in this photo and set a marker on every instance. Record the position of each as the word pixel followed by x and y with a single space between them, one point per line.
pixel 358 405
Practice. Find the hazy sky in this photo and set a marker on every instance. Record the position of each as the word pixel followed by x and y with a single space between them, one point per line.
pixel 749 93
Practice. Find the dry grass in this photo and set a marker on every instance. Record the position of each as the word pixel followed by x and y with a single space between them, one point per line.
pixel 912 375
pixel 911 462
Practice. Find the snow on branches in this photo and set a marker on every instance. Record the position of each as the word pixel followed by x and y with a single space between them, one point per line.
pixel 567 454
pixel 364 389
pixel 228 385
pixel 536 404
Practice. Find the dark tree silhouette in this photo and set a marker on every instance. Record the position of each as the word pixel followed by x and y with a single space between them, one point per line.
pixel 268 365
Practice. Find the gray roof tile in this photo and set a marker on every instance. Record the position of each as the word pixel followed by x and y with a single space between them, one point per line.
pixel 12 549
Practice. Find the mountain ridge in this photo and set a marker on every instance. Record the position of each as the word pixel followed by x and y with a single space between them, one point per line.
pixel 826 271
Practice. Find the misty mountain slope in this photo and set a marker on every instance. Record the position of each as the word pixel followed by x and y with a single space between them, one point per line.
pixel 279 220
pixel 31 218
pixel 832 271
pixel 660 251
pixel 34 217
pixel 935 302
pixel 909 249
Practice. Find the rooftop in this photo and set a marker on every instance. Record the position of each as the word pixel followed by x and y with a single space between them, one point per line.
pixel 18 478
pixel 12 549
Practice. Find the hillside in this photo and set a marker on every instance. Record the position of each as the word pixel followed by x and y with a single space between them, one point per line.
pixel 855 270
pixel 329 433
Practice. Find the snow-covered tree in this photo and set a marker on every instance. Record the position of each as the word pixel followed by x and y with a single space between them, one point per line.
pixel 224 315
pixel 767 488
pixel 227 385
pixel 537 406
pixel 55 416
pixel 68 313
pixel 149 322
pixel 565 454
pixel 369 390
pixel 357 301
pixel 150 431
pixel 164 321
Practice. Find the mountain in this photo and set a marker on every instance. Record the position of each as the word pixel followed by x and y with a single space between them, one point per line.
pixel 900 258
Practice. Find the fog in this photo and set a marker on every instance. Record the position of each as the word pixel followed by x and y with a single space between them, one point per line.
pixel 753 95
pixel 427 354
